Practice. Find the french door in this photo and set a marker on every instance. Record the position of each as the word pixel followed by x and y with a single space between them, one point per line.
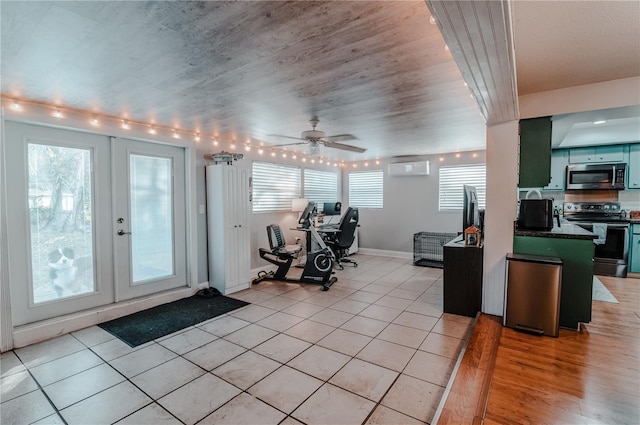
pixel 67 192
pixel 149 206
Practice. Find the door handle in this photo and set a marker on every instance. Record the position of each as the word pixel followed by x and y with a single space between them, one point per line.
pixel 122 232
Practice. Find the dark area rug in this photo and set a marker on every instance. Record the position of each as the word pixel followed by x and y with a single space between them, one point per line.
pixel 156 322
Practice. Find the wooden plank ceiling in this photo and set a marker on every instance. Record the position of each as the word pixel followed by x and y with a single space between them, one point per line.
pixel 239 70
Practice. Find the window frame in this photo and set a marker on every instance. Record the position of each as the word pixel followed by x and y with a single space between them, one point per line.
pixel 452 198
pixel 278 199
pixel 366 197
pixel 328 195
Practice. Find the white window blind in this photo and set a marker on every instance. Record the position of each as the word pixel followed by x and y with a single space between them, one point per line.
pixel 274 186
pixel 320 186
pixel 454 177
pixel 365 189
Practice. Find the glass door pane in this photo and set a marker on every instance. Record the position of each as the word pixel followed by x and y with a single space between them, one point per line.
pixel 60 217
pixel 151 218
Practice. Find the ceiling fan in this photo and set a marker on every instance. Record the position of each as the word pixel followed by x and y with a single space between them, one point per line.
pixel 314 138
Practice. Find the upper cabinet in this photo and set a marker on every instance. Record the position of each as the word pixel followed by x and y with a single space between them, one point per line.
pixel 535 152
pixel 559 162
pixel 634 167
pixel 597 154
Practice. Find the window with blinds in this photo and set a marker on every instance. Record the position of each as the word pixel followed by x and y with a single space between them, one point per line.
pixel 365 189
pixel 454 177
pixel 320 186
pixel 274 186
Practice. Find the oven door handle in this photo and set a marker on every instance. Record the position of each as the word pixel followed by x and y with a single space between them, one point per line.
pixel 613 176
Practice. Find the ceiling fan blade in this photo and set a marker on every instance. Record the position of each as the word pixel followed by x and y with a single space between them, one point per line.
pixel 340 137
pixel 289 144
pixel 344 147
pixel 285 137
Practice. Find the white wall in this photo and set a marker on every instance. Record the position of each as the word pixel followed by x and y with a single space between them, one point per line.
pixel 608 94
pixel 502 182
pixel 410 205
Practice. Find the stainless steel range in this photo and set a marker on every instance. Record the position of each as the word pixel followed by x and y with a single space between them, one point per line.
pixel 608 221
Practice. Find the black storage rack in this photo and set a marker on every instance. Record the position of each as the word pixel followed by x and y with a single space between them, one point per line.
pixel 428 248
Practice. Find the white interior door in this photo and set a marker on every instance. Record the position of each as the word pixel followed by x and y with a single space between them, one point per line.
pixel 59 219
pixel 149 218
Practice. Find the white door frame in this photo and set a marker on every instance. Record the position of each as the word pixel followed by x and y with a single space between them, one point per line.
pixel 121 150
pixel 11 337
pixel 6 327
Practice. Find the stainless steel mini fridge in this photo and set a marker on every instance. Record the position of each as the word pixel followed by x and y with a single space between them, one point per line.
pixel 532 295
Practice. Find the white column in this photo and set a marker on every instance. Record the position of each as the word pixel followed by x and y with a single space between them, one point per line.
pixel 500 211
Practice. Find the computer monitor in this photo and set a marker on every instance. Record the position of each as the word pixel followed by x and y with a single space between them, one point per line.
pixel 307 214
pixel 331 208
pixel 470 215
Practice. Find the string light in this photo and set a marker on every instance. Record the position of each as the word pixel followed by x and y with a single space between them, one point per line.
pixel 126 124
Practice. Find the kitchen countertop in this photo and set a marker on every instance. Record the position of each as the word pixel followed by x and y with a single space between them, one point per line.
pixel 566 231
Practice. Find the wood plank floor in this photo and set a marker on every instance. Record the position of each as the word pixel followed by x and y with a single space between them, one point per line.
pixel 586 377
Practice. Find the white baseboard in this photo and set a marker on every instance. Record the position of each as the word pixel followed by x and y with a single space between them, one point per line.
pixel 40 331
pixel 385 253
pixel 267 268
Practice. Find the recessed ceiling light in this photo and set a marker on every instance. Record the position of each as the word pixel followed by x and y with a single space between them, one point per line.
pixel 599 122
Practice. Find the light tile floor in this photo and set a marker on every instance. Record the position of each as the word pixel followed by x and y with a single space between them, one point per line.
pixel 374 349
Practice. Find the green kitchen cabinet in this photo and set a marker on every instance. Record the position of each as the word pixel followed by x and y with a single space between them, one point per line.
pixel 634 255
pixel 634 166
pixel 595 154
pixel 535 152
pixel 577 273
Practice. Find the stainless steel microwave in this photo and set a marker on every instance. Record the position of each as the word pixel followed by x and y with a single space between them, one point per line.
pixel 596 176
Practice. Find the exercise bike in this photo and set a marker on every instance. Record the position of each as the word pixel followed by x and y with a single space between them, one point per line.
pixel 318 267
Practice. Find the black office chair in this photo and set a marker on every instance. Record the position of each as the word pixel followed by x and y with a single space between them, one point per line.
pixel 340 242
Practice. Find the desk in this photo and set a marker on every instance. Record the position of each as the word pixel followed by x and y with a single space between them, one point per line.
pixel 310 246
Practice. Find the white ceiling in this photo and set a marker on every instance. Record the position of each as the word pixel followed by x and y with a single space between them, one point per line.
pixel 244 70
